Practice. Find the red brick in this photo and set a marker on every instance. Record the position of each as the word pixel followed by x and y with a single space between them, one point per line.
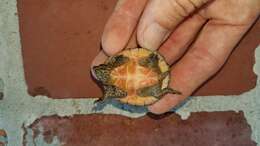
pixel 200 129
pixel 60 39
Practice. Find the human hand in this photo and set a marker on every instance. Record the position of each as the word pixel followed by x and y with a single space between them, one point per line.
pixel 197 36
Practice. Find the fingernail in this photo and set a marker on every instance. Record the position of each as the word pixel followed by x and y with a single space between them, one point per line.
pixel 153 36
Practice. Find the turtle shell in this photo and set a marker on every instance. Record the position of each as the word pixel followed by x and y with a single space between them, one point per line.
pixel 133 75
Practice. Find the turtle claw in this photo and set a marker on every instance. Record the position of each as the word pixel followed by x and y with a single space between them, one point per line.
pixel 99 104
pixel 99 100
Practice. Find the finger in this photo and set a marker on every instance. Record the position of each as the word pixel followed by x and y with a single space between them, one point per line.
pixel 133 41
pixel 121 25
pixel 161 17
pixel 102 57
pixel 203 60
pixel 178 42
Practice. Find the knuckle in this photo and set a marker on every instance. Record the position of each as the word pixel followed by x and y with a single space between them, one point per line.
pixel 180 8
pixel 172 12
pixel 188 5
pixel 183 8
pixel 198 3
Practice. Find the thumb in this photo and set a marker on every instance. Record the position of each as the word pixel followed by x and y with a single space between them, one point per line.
pixel 160 18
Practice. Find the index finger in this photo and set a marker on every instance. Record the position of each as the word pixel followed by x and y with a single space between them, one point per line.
pixel 121 25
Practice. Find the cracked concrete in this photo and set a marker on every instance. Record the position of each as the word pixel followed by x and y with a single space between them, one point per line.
pixel 18 108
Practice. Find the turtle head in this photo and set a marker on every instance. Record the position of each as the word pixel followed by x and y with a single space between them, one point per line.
pixel 102 73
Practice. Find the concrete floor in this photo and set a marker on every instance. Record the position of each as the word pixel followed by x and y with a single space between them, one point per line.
pixel 18 109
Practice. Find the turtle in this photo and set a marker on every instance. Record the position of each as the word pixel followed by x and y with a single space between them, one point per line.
pixel 135 76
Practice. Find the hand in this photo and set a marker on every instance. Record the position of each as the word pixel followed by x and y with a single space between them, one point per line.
pixel 196 35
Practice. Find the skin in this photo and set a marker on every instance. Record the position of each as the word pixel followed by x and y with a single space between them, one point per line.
pixel 197 36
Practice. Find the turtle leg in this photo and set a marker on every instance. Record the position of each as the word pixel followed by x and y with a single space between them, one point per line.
pixel 102 73
pixel 117 60
pixel 99 100
pixel 111 91
pixel 170 91
pixel 163 75
pixel 152 61
pixel 156 91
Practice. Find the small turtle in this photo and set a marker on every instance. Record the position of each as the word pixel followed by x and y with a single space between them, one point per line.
pixel 134 76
